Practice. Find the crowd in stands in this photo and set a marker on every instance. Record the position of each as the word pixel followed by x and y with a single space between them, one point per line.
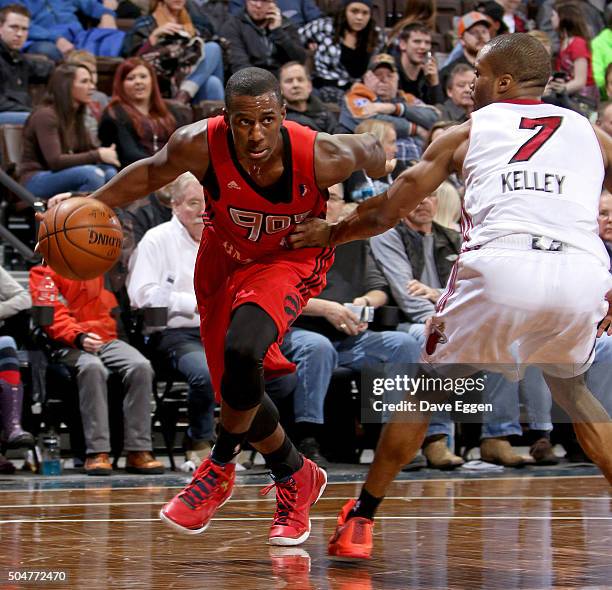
pixel 344 66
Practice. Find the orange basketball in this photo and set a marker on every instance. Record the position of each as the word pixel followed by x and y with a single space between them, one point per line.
pixel 80 238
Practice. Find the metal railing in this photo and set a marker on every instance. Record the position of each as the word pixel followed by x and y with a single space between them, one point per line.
pixel 27 197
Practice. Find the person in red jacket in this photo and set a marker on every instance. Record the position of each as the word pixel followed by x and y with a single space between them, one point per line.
pixel 84 325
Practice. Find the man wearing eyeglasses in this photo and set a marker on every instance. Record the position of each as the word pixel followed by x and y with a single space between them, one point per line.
pixel 260 36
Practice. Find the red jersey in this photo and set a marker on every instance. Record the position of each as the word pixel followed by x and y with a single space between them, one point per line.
pixel 252 221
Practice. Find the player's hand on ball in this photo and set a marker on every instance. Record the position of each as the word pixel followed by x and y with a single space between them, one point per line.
pixel 311 233
pixel 55 200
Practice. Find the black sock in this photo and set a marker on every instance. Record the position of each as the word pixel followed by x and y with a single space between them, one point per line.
pixel 227 446
pixel 285 461
pixel 366 505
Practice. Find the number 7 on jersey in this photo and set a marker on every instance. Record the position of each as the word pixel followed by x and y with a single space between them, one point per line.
pixel 547 127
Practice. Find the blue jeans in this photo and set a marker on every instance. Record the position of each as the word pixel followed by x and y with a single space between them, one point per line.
pixel 316 357
pixel 537 398
pixel 13 117
pixel 504 396
pixel 85 179
pixel 599 376
pixel 441 422
pixel 47 48
pixel 184 349
pixel 208 75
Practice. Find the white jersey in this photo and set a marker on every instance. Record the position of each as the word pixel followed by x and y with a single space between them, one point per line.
pixel 533 168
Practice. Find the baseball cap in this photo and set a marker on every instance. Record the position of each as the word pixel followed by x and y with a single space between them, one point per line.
pixel 495 12
pixel 382 59
pixel 470 19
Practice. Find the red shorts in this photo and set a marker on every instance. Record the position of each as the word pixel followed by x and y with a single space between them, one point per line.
pixel 280 284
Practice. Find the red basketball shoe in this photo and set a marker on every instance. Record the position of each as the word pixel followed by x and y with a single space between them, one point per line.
pixel 190 511
pixel 294 497
pixel 352 538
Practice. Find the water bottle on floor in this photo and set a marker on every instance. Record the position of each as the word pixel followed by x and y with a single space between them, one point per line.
pixel 51 463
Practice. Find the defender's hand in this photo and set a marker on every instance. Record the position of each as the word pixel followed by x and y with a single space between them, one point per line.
pixel 606 324
pixel 312 233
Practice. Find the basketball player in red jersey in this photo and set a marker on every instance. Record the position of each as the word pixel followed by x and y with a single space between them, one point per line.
pixel 531 284
pixel 261 176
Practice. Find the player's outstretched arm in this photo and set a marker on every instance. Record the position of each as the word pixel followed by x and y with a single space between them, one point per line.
pixel 186 151
pixel 380 213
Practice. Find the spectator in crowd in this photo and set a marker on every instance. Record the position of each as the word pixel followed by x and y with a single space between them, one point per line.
pixel 605 222
pixel 459 104
pixel 196 73
pixel 416 65
pixel 299 12
pixel 137 121
pixel 17 72
pixel 58 154
pixel 55 29
pixel 151 212
pixel 343 46
pixel 474 31
pixel 601 46
pixel 416 264
pixel 327 334
pixel 512 19
pixel 604 117
pixel 593 17
pixel 448 212
pixel 213 11
pixel 495 12
pixel 574 58
pixel 421 11
pixel 416 258
pixel 83 325
pixel 261 36
pixel 303 106
pixel 169 250
pixel 99 101
pixel 378 97
pixel 359 186
pixel 13 299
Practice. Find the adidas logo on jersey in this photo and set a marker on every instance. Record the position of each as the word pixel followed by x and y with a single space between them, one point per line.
pixel 233 184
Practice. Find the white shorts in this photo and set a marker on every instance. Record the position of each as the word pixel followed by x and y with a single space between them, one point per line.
pixel 508 306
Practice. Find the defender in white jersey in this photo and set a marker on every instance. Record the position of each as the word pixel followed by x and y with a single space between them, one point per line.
pixel 532 282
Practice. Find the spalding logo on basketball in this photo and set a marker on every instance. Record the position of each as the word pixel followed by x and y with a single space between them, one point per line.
pixel 80 238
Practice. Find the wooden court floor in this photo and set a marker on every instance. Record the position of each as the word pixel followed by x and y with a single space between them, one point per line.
pixel 506 533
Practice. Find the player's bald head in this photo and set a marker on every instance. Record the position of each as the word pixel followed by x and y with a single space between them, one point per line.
pixel 520 55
